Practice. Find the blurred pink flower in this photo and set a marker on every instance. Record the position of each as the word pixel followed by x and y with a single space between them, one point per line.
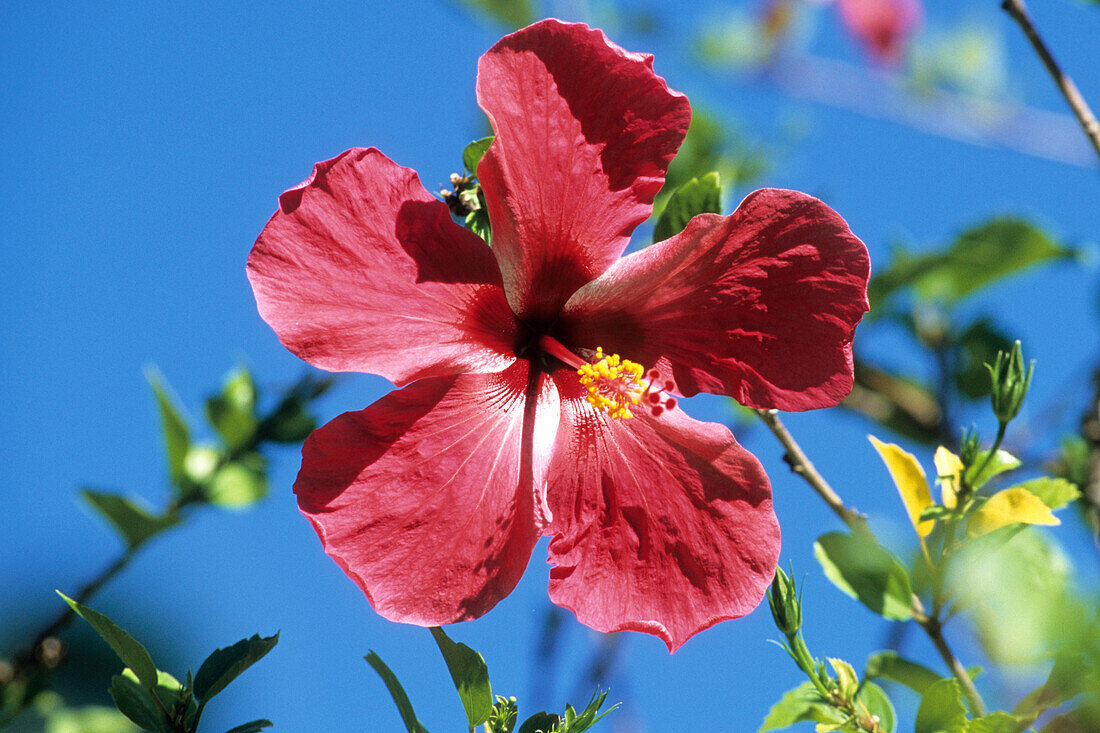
pixel 432 498
pixel 882 26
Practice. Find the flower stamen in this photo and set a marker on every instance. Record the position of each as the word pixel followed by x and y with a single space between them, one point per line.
pixel 614 385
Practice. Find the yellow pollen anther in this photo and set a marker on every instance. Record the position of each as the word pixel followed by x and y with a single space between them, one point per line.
pixel 613 384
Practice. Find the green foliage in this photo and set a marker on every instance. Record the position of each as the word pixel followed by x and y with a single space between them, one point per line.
pixel 980 256
pixel 233 412
pixel 473 153
pixel 132 653
pixel 803 703
pixel 131 520
pixel 177 436
pixel 986 467
pixel 155 700
pixel 541 722
pixel 253 726
pixel 238 484
pixel 88 719
pixel 1054 492
pixel 133 701
pixel 697 196
pixel 470 675
pixel 977 346
pixel 226 664
pixel 860 567
pixel 511 13
pixel 503 717
pixel 890 665
pixel 941 709
pixel 397 692
pixel 877 703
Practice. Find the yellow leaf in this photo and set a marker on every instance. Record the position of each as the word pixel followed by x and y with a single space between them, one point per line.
pixel 1010 506
pixel 909 478
pixel 948 470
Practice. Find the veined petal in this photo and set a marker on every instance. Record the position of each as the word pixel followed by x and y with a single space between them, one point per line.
pixel 662 525
pixel 361 269
pixel 431 498
pixel 760 305
pixel 584 135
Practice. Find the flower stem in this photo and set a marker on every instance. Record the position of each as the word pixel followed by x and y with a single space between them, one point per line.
pixel 1018 11
pixel 801 465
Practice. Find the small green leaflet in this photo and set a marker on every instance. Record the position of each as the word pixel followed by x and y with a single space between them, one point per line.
pixel 860 567
pixel 941 709
pixel 129 518
pixel 470 675
pixel 397 692
pixel 177 436
pixel 472 153
pixel 132 653
pixel 226 664
pixel 697 196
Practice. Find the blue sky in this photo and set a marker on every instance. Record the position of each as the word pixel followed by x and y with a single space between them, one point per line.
pixel 142 148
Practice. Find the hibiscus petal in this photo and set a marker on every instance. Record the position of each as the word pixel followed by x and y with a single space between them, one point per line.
pixel 584 134
pixel 760 305
pixel 662 525
pixel 362 270
pixel 428 498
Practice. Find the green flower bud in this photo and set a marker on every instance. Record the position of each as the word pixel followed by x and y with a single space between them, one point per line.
pixel 1010 383
pixel 785 605
pixel 970 447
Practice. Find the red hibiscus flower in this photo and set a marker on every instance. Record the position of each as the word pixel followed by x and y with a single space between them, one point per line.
pixel 528 411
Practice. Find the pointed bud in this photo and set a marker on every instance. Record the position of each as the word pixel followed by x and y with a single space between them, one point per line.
pixel 970 447
pixel 785 605
pixel 1010 383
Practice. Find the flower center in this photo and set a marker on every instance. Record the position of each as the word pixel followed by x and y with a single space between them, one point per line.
pixel 615 385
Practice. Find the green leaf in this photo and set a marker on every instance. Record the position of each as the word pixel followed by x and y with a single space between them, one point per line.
pixel 289 424
pixel 540 722
pixel 980 256
pixel 88 719
pixel 860 567
pixel 941 709
pixel 226 664
pixel 233 412
pixel 397 692
pixel 177 436
pixel 892 666
pixel 1054 492
pixel 512 13
pixel 470 675
pixel 131 520
pixel 998 722
pixel 238 485
pixel 1002 461
pixel 986 253
pixel 801 704
pixel 472 153
pixel 253 726
pixel 132 654
pixel 879 705
pixel 697 196
pixel 172 695
pixel 137 704
pixel 478 223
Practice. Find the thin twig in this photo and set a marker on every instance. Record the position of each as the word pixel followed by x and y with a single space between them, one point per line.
pixel 801 465
pixel 1018 11
pixel 933 626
